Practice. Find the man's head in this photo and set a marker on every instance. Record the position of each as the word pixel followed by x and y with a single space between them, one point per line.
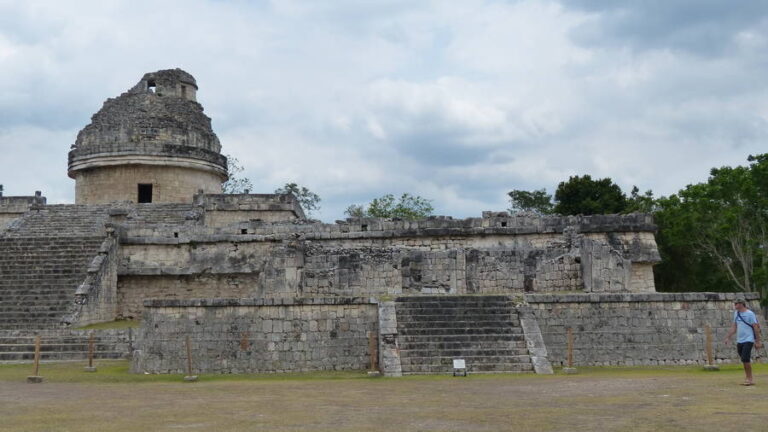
pixel 740 304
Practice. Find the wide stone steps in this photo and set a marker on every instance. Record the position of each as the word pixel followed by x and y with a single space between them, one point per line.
pixel 443 346
pixel 39 276
pixel 79 346
pixel 483 330
pixel 486 353
pixel 64 220
pixel 499 367
pixel 499 332
pixel 57 355
pixel 63 344
pixel 462 338
pixel 464 323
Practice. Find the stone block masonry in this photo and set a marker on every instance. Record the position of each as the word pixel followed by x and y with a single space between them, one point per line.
pixel 151 144
pixel 13 207
pixel 250 336
pixel 636 329
pixel 374 257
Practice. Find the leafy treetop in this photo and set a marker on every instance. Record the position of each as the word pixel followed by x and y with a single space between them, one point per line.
pixel 409 207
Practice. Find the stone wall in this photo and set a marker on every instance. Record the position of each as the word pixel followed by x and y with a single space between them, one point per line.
pixel 249 336
pixel 132 291
pixel 262 260
pixel 282 335
pixel 244 209
pixel 13 207
pixel 636 329
pixel 7 218
pixel 170 184
pixel 271 269
pixel 96 298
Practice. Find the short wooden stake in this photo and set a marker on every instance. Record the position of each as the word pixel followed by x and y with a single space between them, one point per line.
pixel 90 367
pixel 711 366
pixel 35 378
pixel 244 344
pixel 569 355
pixel 373 349
pixel 189 377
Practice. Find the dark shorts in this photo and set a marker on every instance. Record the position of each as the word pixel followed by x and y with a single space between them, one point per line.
pixel 745 351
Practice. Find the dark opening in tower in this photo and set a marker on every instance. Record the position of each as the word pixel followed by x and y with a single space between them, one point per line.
pixel 145 193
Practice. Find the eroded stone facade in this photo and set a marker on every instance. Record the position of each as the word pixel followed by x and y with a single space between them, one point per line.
pixel 151 144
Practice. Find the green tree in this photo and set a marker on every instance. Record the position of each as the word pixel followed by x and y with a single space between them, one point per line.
pixel 309 200
pixel 582 195
pixel 537 201
pixel 236 183
pixel 640 203
pixel 409 207
pixel 713 236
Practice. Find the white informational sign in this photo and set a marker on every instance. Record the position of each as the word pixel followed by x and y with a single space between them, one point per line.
pixel 459 364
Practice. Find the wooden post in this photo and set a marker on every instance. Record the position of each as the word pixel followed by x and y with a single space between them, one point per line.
pixel 90 367
pixel 244 344
pixel 37 356
pixel 710 358
pixel 373 349
pixel 35 378
pixel 189 377
pixel 569 352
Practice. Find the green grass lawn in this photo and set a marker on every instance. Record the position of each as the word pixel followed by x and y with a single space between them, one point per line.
pixel 596 399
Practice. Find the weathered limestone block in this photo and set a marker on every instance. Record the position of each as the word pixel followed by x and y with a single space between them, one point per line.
pixel 534 340
pixel 389 352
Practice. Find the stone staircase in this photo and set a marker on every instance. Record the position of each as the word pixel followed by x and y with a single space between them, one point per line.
pixel 39 276
pixel 483 330
pixel 60 345
pixel 61 220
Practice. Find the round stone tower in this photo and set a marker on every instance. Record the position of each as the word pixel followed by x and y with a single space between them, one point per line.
pixel 151 144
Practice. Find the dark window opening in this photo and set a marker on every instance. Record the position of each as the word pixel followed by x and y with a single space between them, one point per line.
pixel 244 231
pixel 151 86
pixel 184 91
pixel 145 193
pixel 364 227
pixel 503 224
pixel 175 235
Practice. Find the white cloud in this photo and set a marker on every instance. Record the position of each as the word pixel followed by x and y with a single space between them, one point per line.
pixel 456 101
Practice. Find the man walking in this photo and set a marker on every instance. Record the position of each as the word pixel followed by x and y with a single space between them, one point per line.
pixel 747 335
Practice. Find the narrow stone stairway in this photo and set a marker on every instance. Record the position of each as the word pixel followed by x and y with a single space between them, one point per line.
pixel 483 330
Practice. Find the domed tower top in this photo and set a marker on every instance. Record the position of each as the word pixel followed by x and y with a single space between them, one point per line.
pixel 151 144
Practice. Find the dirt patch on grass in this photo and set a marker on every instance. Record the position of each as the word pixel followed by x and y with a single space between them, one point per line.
pixel 671 399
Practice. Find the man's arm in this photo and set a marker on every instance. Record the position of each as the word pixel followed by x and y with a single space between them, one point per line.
pixel 756 327
pixel 730 334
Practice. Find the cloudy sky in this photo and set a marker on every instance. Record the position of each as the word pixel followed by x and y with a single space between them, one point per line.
pixel 456 101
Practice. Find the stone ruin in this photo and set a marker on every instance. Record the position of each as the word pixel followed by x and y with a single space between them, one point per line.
pixel 257 287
